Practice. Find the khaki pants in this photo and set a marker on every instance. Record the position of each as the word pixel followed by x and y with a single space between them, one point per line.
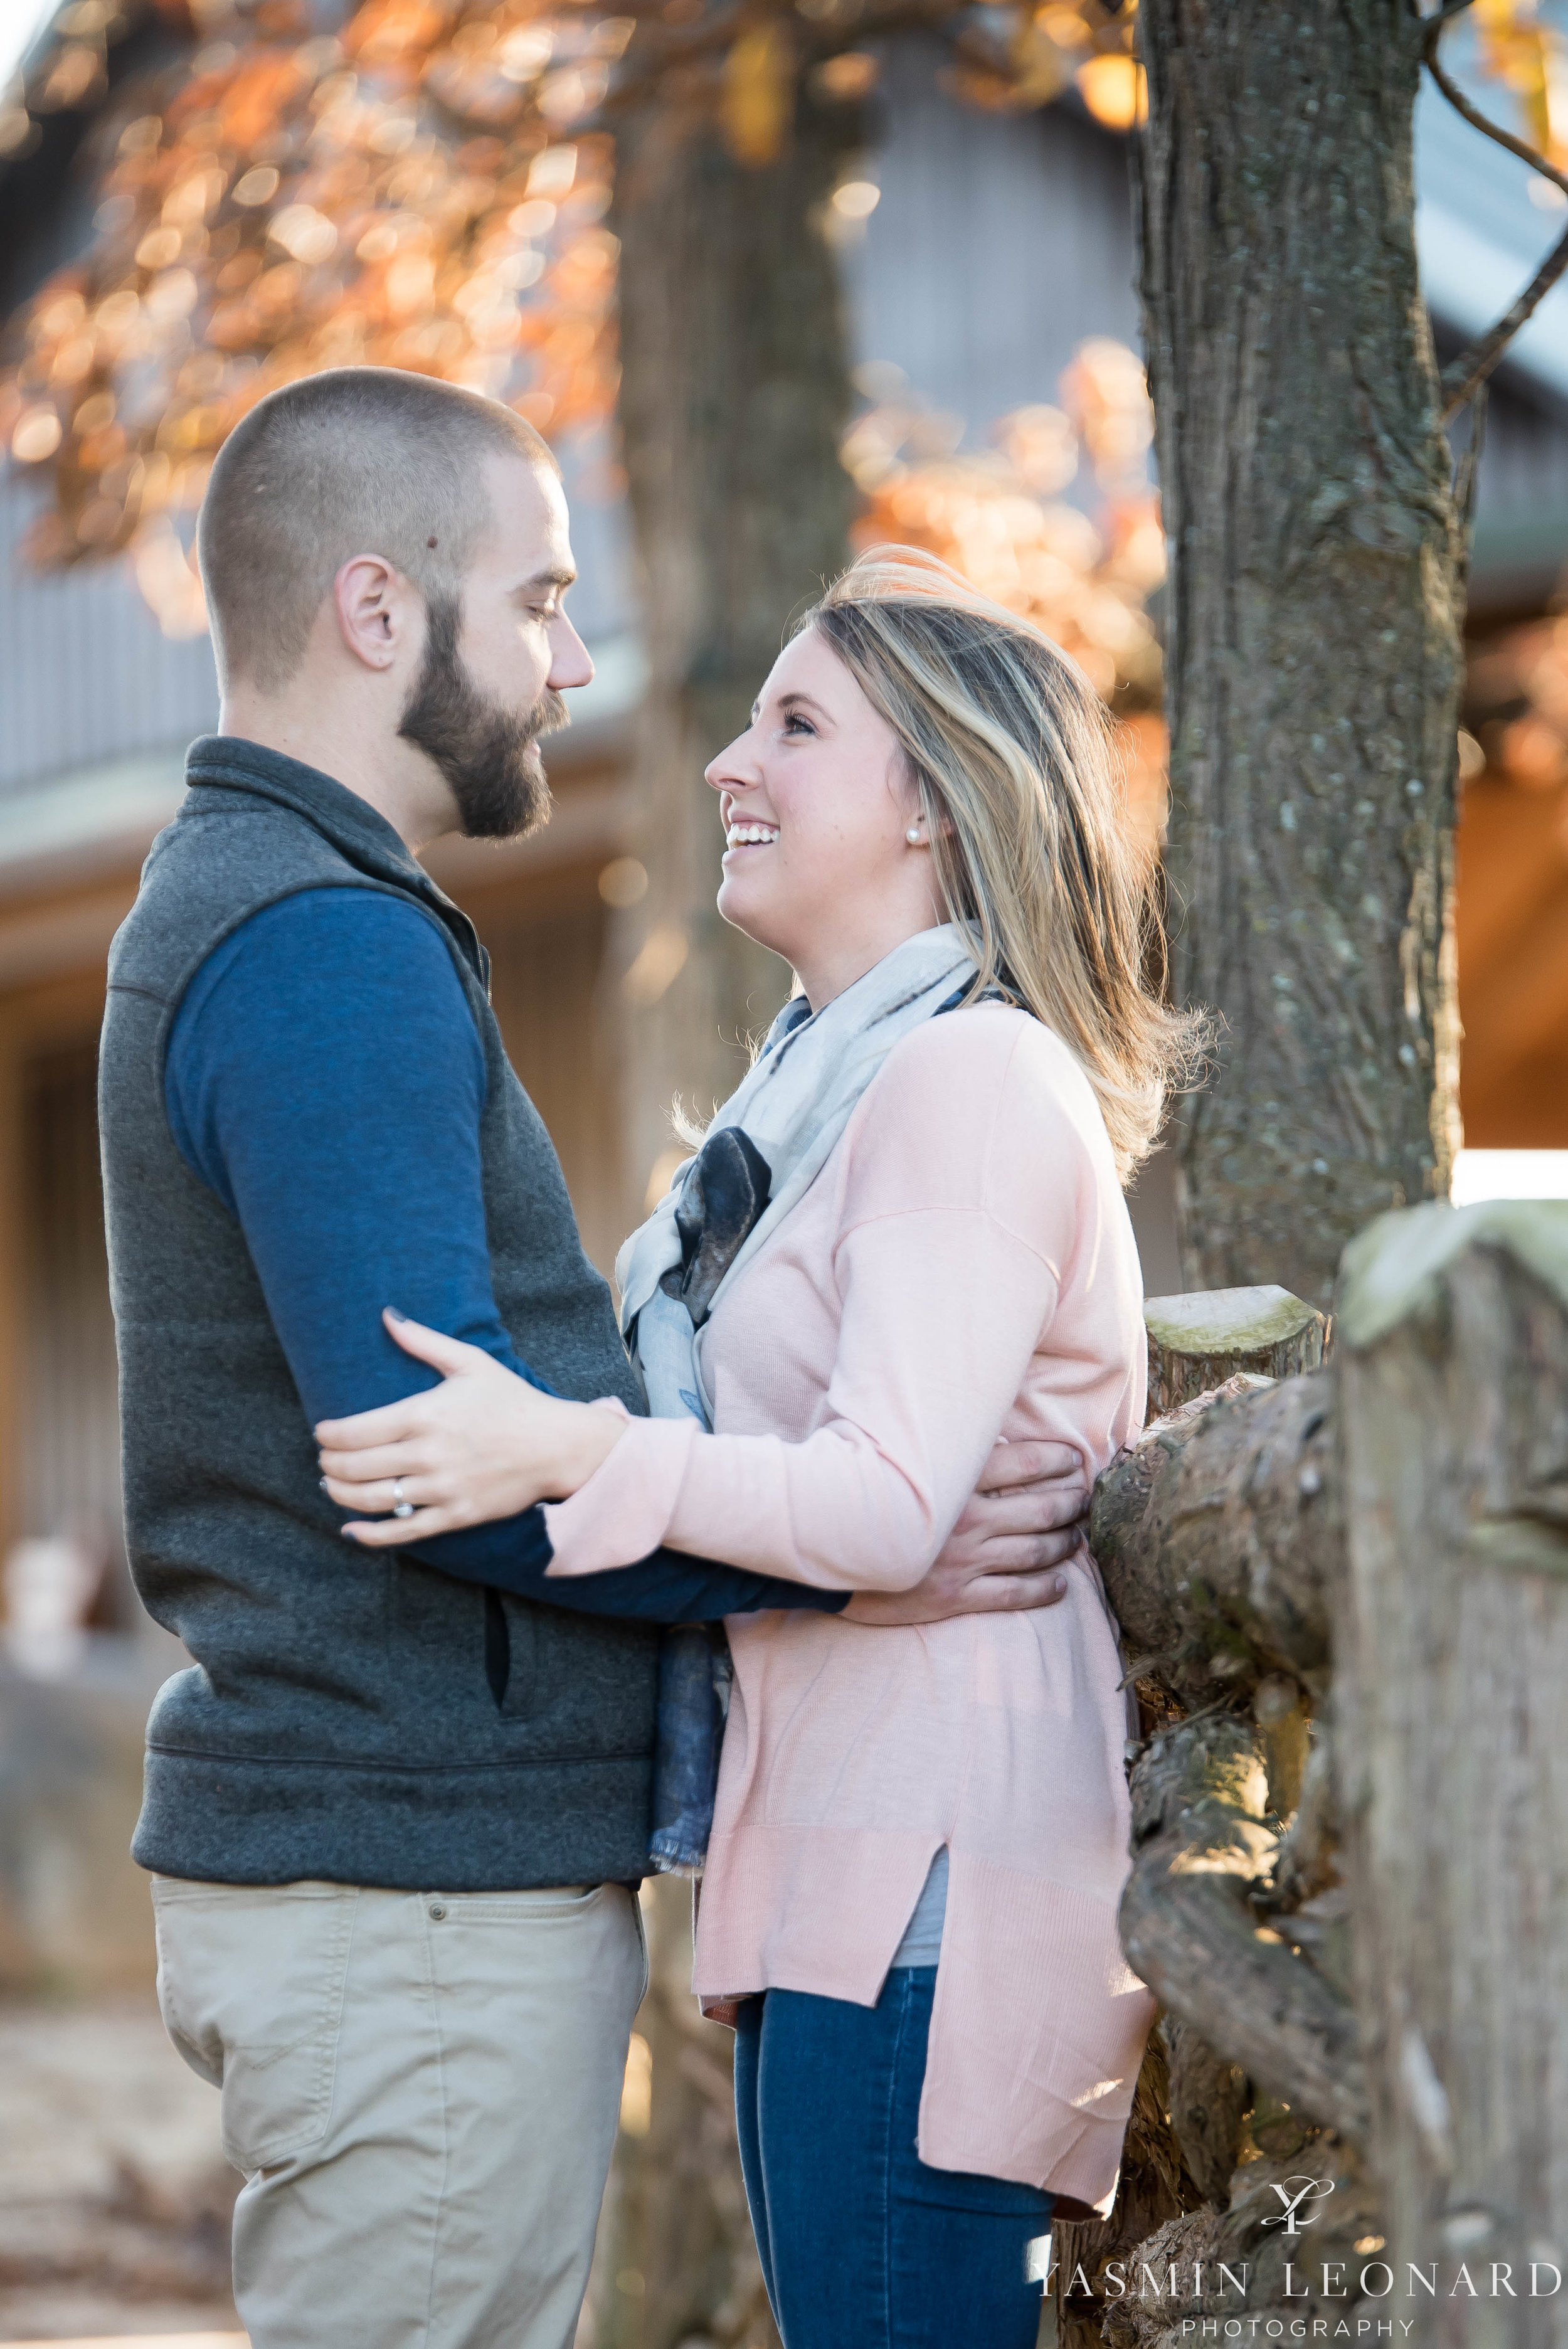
pixel 422 2092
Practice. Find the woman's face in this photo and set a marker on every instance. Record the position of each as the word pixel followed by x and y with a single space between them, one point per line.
pixel 817 802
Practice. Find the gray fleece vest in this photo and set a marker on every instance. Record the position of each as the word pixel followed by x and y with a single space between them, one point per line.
pixel 339 1720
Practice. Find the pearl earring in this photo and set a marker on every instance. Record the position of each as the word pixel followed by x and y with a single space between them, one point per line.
pixel 913 835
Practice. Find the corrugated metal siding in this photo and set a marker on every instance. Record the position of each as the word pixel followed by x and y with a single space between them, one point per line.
pixel 1000 243
pixel 71 1454
pixel 1523 460
pixel 86 674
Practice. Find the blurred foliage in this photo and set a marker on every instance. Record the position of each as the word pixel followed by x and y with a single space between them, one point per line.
pixel 1517 43
pixel 425 188
pixel 1516 706
pixel 402 195
pixel 999 516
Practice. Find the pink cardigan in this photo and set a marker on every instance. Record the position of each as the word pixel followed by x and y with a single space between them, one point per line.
pixel 962 1267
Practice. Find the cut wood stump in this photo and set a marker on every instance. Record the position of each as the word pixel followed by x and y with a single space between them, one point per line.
pixel 1197 1342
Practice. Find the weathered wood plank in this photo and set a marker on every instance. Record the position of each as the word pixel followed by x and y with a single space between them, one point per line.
pixel 1451 1659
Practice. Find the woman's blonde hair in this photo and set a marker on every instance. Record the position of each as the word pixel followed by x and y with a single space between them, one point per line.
pixel 1010 749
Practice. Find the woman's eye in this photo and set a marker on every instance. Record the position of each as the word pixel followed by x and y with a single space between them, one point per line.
pixel 795 723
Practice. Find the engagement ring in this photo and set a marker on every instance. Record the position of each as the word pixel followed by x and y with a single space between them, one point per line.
pixel 400 1507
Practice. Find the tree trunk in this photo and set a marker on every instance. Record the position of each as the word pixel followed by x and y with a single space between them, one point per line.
pixel 1313 655
pixel 675 2263
pixel 1450 1664
pixel 734 393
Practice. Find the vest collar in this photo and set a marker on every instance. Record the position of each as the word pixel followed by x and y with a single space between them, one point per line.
pixel 358 831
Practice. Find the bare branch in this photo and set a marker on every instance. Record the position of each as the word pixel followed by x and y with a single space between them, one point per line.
pixel 1465 376
pixel 1478 121
pixel 1468 373
pixel 1199 1847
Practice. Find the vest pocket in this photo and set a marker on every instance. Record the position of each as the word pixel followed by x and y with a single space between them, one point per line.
pixel 511 1656
pixel 251 1986
pixel 498 1649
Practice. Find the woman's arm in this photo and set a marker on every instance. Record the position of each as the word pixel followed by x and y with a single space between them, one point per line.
pixel 462 1454
pixel 943 1310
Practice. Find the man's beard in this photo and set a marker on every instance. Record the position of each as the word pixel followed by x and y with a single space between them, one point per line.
pixel 489 756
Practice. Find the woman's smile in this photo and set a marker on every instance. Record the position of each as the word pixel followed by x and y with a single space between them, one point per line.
pixel 742 833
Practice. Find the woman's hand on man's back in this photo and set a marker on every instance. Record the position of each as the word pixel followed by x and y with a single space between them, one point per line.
pixel 1028 1515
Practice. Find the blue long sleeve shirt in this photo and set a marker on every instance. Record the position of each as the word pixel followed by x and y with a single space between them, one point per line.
pixel 325 1080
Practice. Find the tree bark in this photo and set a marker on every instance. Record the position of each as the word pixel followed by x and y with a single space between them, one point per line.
pixel 1452 1655
pixel 1312 653
pixel 1208 2100
pixel 1219 1538
pixel 734 393
pixel 1233 2266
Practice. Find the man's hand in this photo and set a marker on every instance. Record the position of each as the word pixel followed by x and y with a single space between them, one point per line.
pixel 1025 1518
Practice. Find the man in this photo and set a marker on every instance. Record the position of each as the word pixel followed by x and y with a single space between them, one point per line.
pixel 396 1810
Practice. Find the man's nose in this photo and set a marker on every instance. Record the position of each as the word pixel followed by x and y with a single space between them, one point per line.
pixel 570 663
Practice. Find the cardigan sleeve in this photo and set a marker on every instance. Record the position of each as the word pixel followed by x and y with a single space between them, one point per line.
pixel 966 1184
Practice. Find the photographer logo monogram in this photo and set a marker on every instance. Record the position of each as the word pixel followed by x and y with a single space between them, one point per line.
pixel 1292 2218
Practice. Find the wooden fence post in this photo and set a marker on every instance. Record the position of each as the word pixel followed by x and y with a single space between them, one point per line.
pixel 1206 1649
pixel 1451 1660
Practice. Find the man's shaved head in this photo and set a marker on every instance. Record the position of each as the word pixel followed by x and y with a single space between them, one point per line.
pixel 360 460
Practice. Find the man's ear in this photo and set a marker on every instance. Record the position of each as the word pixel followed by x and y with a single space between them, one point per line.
pixel 375 606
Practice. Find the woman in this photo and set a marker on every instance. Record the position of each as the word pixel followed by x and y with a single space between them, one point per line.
pixel 904 1237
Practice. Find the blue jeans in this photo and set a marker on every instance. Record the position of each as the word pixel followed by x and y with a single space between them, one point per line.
pixel 862 2246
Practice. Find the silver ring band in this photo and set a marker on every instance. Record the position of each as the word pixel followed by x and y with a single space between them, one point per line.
pixel 400 1507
